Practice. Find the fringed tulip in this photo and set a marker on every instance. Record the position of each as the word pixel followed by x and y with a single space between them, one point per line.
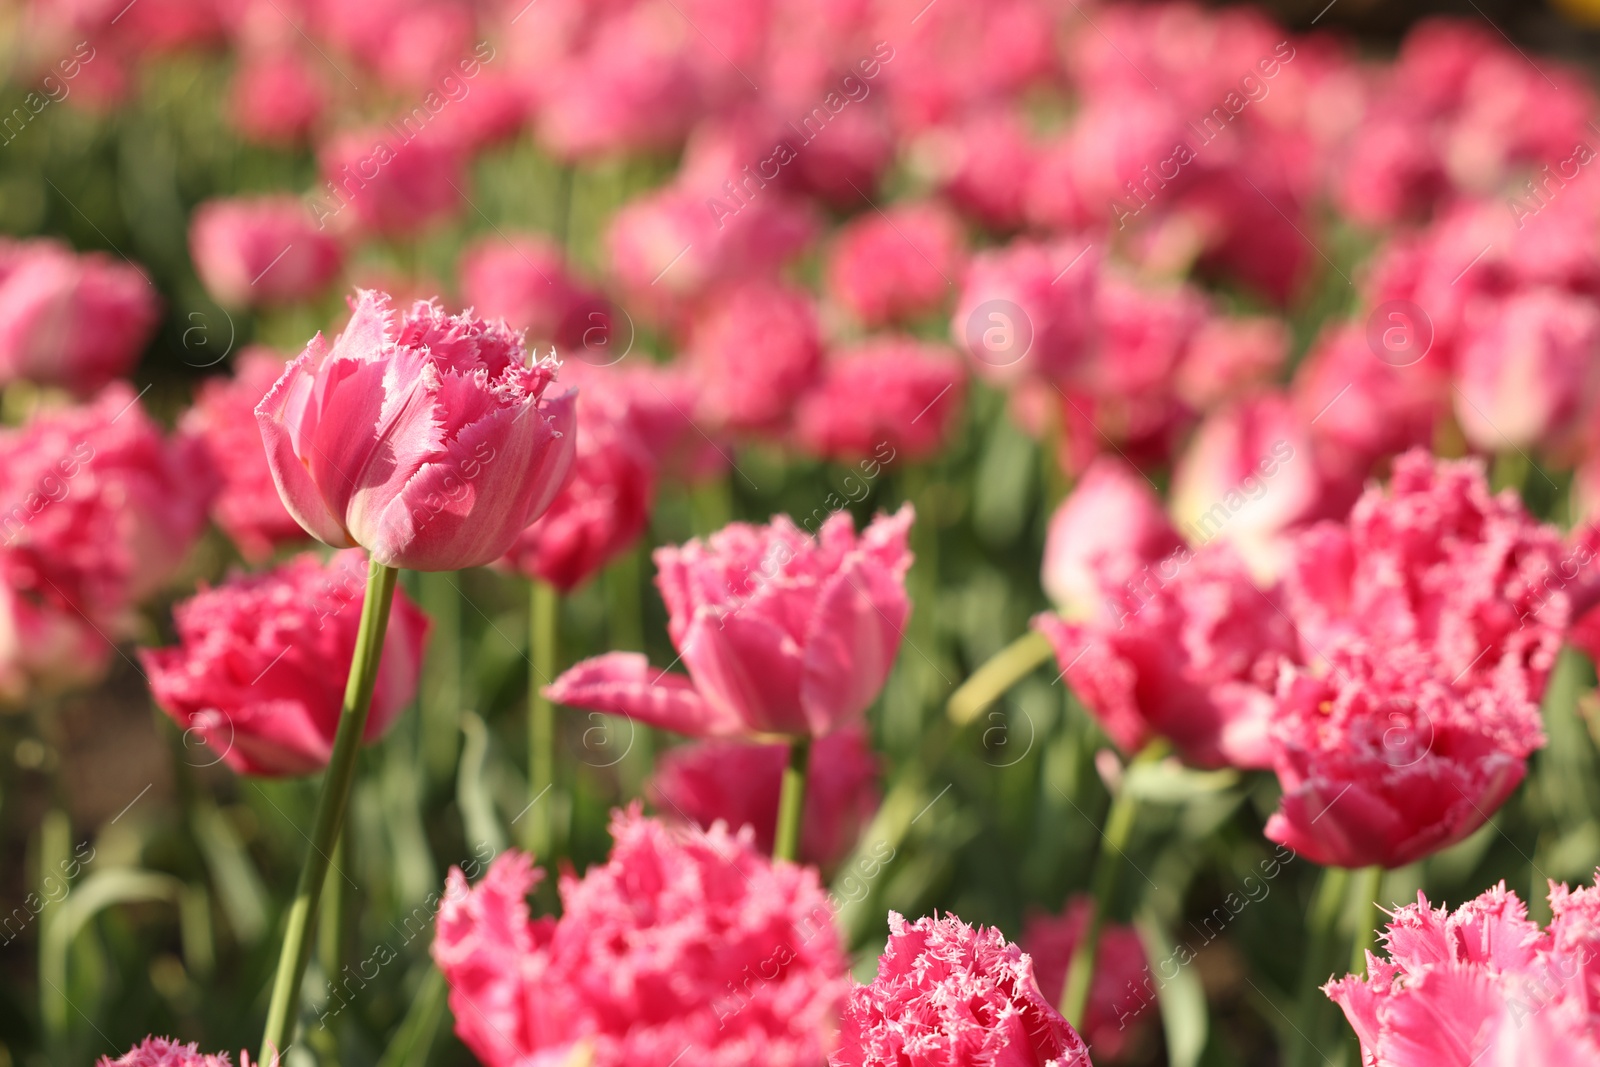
pixel 782 633
pixel 682 940
pixel 164 1052
pixel 1482 986
pixel 424 437
pixel 259 669
pixel 949 995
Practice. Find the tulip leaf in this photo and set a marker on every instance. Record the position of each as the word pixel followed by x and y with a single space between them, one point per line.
pixel 1182 1000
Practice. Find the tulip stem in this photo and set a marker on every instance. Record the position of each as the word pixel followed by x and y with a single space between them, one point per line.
pixel 336 782
pixel 1107 866
pixel 1002 671
pixel 1368 884
pixel 792 802
pixel 1323 920
pixel 539 835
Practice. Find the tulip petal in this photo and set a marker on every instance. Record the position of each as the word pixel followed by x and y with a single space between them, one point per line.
pixel 624 683
pixel 282 415
pixel 748 667
pixel 851 643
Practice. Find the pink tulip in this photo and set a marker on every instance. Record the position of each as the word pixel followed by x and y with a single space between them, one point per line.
pixel 1191 653
pixel 103 509
pixel 604 508
pixel 258 672
pixel 948 994
pixel 1109 531
pixel 1120 991
pixel 754 348
pixel 278 96
pixel 982 163
pixel 248 508
pixel 738 783
pixel 1430 631
pixel 263 251
pixel 389 181
pixel 525 281
pixel 163 1052
pixel 897 266
pixel 683 939
pixel 1383 761
pixel 892 395
pixel 422 436
pixel 77 321
pixel 1481 985
pixel 1438 562
pixel 1528 372
pixel 782 633
pixel 1027 309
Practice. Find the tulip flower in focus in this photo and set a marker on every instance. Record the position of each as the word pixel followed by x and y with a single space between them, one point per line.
pixel 1481 985
pixel 263 251
pixel 948 994
pixel 656 950
pixel 248 507
pixel 1122 989
pixel 738 783
pixel 259 670
pixel 164 1052
pixel 781 633
pixel 422 436
pixel 77 321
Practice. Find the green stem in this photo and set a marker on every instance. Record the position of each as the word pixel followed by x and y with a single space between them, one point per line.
pixel 792 802
pixel 1367 885
pixel 336 782
pixel 543 604
pixel 563 228
pixel 1108 865
pixel 1002 671
pixel 1323 920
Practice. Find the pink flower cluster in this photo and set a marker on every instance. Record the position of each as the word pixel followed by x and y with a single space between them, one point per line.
pixel 1481 984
